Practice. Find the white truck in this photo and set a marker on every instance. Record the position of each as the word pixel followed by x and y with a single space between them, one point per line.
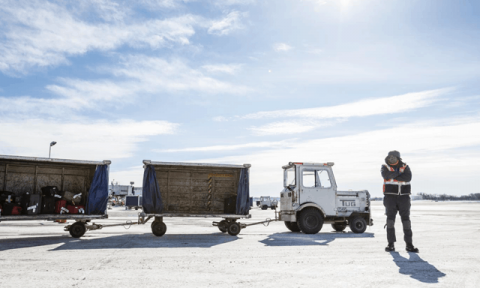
pixel 310 199
pixel 267 202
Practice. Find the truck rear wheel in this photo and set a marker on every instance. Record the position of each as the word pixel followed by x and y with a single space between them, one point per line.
pixel 339 227
pixel 234 229
pixel 77 229
pixel 292 226
pixel 310 220
pixel 264 207
pixel 159 228
pixel 358 225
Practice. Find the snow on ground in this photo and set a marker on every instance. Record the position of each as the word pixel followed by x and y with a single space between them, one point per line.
pixel 195 254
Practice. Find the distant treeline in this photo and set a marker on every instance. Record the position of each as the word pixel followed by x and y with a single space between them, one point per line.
pixel 445 197
pixel 441 197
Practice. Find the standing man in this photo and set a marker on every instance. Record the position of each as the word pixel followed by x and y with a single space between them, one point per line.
pixel 396 190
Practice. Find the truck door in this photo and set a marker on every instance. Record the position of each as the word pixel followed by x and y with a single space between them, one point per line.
pixel 317 187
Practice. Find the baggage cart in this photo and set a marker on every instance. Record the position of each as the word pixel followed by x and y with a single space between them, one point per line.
pixel 132 201
pixel 29 174
pixel 173 189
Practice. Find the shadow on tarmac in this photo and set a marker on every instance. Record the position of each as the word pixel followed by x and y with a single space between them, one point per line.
pixel 126 241
pixel 300 239
pixel 417 268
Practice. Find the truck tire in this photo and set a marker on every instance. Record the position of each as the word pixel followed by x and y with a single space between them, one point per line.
pixel 292 226
pixel 234 229
pixel 358 225
pixel 222 226
pixel 339 227
pixel 77 229
pixel 310 220
pixel 159 228
pixel 264 207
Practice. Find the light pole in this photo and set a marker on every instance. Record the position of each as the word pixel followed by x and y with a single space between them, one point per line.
pixel 50 149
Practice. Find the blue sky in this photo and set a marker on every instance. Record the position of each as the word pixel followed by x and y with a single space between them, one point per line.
pixel 260 82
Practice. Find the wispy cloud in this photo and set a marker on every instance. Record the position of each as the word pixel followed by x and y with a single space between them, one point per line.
pixel 83 139
pixel 291 127
pixel 308 119
pixel 222 68
pixel 234 2
pixel 269 145
pixel 41 33
pixel 142 75
pixel 358 157
pixel 282 47
pixel 367 107
pixel 231 22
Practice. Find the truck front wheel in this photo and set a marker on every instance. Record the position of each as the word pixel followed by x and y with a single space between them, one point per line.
pixel 292 226
pixel 310 220
pixel 339 227
pixel 358 225
pixel 264 207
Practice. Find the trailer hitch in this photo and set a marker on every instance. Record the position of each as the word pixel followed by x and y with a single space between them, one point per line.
pixel 94 226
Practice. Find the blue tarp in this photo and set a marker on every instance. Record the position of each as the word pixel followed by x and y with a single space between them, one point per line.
pixel 98 194
pixel 243 193
pixel 151 198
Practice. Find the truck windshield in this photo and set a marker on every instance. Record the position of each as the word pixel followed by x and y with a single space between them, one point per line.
pixel 290 177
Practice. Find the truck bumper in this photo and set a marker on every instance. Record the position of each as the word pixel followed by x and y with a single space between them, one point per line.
pixel 287 216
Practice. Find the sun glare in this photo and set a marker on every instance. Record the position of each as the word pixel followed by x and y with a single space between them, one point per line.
pixel 344 3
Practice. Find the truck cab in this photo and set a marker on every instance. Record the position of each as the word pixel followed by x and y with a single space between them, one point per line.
pixel 310 199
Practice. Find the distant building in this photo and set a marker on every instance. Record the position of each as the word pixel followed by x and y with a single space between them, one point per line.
pixel 123 190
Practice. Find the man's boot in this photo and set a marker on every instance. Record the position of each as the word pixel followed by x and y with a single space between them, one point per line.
pixel 412 249
pixel 390 247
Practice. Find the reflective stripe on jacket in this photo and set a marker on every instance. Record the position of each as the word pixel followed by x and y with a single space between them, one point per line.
pixel 395 187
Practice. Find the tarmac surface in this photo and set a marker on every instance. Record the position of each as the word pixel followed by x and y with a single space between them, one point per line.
pixel 193 253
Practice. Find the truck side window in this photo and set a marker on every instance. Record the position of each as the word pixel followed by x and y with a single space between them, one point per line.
pixel 323 179
pixel 308 179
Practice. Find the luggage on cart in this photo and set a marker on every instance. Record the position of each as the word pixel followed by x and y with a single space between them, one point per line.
pixel 61 207
pixel 72 198
pixel 7 209
pixel 16 210
pixel 7 197
pixel 32 204
pixel 48 205
pixel 49 191
pixel 73 209
pixel 19 200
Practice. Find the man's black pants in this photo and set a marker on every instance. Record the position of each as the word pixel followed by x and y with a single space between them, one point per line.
pixel 400 203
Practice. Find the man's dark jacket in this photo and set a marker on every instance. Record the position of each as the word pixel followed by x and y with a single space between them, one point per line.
pixel 396 182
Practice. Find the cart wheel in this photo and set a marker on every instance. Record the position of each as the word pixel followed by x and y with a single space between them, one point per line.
pixel 222 226
pixel 159 228
pixel 77 229
pixel 234 229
